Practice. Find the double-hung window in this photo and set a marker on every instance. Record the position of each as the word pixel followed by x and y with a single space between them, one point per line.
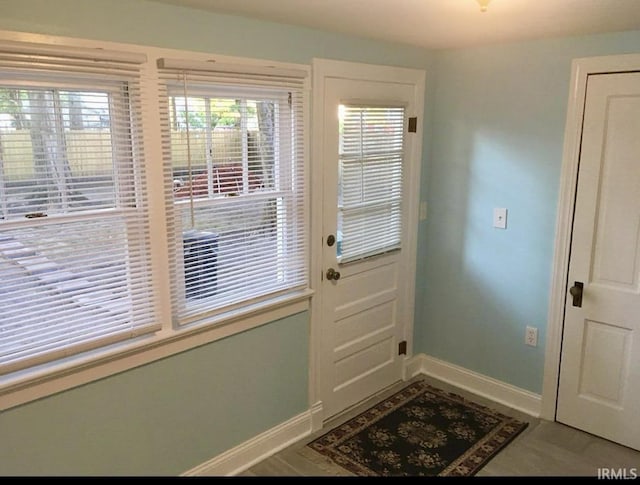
pixel 235 157
pixel 74 239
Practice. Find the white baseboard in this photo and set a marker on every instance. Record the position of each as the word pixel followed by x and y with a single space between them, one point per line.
pixel 317 416
pixel 514 397
pixel 413 366
pixel 247 454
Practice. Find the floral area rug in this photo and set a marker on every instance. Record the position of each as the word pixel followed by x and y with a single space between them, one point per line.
pixel 419 431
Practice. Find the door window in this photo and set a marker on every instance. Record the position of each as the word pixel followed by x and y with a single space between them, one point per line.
pixel 370 181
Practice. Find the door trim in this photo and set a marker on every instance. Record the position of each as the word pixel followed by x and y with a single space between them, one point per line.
pixel 580 70
pixel 327 68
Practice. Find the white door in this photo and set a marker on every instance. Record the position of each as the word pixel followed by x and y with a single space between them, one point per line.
pixel 370 172
pixel 599 389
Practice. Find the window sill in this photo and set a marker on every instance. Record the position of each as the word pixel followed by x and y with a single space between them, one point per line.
pixel 21 387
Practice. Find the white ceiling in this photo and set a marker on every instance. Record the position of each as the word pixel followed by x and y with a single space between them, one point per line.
pixel 439 24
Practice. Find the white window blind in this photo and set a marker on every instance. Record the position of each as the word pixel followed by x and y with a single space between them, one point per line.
pixel 74 236
pixel 234 139
pixel 370 181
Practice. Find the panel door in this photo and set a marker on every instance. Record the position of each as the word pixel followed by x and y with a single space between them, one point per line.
pixel 599 388
pixel 366 152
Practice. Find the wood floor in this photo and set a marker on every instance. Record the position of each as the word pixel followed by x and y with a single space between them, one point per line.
pixel 543 449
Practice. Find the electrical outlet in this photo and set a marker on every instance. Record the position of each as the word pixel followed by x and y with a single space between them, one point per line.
pixel 531 336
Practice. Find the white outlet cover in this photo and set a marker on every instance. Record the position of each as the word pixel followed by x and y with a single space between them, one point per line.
pixel 500 218
pixel 531 336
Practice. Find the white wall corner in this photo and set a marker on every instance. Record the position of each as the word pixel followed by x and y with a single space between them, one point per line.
pixel 500 392
pixel 262 446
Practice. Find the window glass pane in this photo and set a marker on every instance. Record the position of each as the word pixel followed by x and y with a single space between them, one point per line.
pixel 370 180
pixel 233 254
pixel 57 151
pixel 222 146
pixel 66 284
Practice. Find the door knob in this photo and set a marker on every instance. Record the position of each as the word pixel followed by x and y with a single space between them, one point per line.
pixel 332 274
pixel 576 293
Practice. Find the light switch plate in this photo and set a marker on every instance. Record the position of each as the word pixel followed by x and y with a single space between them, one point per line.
pixel 500 218
pixel 423 211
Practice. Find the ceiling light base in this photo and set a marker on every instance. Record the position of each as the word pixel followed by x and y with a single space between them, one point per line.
pixel 483 5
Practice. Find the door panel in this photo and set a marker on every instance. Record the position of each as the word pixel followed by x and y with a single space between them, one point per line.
pixel 364 319
pixel 364 311
pixel 606 359
pixel 599 387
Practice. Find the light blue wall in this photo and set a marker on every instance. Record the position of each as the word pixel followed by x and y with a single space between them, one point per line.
pixel 169 416
pixel 152 23
pixel 497 139
pixel 166 417
pixel 494 138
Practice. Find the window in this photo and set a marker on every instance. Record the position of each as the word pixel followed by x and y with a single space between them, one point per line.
pixel 74 242
pixel 370 181
pixel 237 170
pixel 142 203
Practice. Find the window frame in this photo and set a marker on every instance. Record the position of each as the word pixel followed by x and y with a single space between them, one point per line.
pixel 222 90
pixel 42 380
pixel 124 184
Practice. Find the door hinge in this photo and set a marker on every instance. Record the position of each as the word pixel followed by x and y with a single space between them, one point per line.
pixel 402 348
pixel 413 124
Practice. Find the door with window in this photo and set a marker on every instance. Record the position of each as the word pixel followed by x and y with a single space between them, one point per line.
pixel 369 204
pixel 599 388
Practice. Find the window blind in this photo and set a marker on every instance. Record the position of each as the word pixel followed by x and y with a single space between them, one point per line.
pixel 234 144
pixel 370 181
pixel 74 235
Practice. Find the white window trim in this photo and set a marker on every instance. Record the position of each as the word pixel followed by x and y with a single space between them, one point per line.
pixel 35 383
